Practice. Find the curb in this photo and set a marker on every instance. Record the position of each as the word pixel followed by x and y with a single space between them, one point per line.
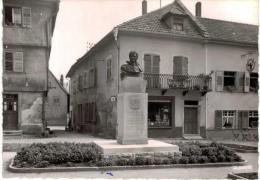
pixel 11 168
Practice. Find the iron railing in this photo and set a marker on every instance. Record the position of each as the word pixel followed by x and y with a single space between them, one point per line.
pixel 175 81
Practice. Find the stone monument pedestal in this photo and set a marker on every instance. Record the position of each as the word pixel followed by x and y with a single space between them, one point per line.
pixel 132 118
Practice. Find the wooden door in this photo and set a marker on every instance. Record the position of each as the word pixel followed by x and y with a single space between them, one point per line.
pixel 190 120
pixel 10 112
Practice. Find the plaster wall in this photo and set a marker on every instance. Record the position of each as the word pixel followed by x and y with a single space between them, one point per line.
pixel 56 113
pixel 167 48
pixel 35 71
pixel 37 34
pixel 228 58
pixel 103 90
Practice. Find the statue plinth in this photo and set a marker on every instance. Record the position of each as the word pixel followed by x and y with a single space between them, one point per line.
pixel 133 85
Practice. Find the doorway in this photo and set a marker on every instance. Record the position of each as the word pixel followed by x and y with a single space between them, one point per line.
pixel 191 117
pixel 10 111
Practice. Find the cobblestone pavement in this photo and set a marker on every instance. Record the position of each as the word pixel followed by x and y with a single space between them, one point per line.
pixel 171 173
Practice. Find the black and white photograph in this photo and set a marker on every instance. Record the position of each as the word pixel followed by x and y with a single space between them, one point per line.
pixel 130 89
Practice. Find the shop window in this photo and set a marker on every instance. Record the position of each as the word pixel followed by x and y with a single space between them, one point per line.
pixel 253 82
pixel 228 119
pixel 159 114
pixel 253 119
pixel 229 80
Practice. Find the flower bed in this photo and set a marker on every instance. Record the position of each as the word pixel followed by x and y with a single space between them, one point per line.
pixel 73 155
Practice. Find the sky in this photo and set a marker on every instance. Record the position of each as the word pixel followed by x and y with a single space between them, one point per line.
pixel 83 22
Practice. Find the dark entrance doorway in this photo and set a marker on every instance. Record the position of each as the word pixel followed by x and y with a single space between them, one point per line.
pixel 191 119
pixel 10 111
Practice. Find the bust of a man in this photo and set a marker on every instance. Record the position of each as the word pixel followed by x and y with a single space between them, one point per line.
pixel 132 67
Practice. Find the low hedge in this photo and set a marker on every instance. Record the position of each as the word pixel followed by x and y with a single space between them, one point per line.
pixel 43 155
pixel 72 154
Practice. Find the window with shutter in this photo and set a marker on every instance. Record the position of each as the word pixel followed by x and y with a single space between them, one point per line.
pixel 156 65
pixel 239 119
pixel 18 62
pixel 13 61
pixel 219 80
pixel 8 61
pixel 92 77
pixel 12 16
pixel 16 16
pixel 109 69
pixel 253 85
pixel 253 119
pixel 27 19
pixel 180 65
pixel 218 119
pixel 228 119
pixel 147 63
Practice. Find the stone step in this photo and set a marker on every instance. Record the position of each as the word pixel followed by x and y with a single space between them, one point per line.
pixel 12 132
pixel 192 137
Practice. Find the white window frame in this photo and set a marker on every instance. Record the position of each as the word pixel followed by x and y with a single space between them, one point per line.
pixel 229 115
pixel 252 114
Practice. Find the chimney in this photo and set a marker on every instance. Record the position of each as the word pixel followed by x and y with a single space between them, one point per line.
pixel 61 80
pixel 198 9
pixel 144 7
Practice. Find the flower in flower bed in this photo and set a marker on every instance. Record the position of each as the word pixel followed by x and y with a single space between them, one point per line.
pixel 75 154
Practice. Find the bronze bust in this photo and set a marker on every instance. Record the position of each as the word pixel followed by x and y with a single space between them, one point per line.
pixel 132 67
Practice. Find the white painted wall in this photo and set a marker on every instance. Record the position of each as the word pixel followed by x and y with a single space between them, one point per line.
pixel 228 58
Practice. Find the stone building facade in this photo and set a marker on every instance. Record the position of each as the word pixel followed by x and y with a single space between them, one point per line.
pixel 198 83
pixel 27 31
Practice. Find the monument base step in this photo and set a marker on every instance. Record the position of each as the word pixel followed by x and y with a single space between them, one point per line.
pixel 110 147
pixel 192 137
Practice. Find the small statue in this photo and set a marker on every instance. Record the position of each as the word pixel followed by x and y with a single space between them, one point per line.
pixel 132 67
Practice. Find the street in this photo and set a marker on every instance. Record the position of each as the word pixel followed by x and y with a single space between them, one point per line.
pixel 186 173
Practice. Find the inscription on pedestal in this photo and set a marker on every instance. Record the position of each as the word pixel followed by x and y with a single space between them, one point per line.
pixel 132 113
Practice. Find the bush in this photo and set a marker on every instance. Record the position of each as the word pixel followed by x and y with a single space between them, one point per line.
pixel 121 162
pixel 140 160
pixel 221 158
pixel 193 159
pixel 176 160
pixel 213 159
pixel 203 159
pixel 149 161
pixel 158 161
pixel 184 160
pixel 38 154
pixel 42 164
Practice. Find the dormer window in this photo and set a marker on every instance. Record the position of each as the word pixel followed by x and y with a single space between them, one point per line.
pixel 177 24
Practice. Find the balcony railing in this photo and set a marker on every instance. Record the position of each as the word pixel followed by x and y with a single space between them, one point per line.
pixel 175 81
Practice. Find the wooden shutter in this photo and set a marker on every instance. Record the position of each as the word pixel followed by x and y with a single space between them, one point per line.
pixel 147 63
pixel 156 64
pixel 18 62
pixel 109 67
pixel 239 81
pixel 91 77
pixel 219 80
pixel 177 65
pixel 246 82
pixel 239 119
pixel 245 120
pixel 185 65
pixel 27 17
pixel 16 15
pixel 218 119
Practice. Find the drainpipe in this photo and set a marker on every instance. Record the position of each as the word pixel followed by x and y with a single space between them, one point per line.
pixel 206 98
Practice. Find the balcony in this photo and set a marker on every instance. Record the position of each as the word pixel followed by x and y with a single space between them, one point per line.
pixel 186 83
